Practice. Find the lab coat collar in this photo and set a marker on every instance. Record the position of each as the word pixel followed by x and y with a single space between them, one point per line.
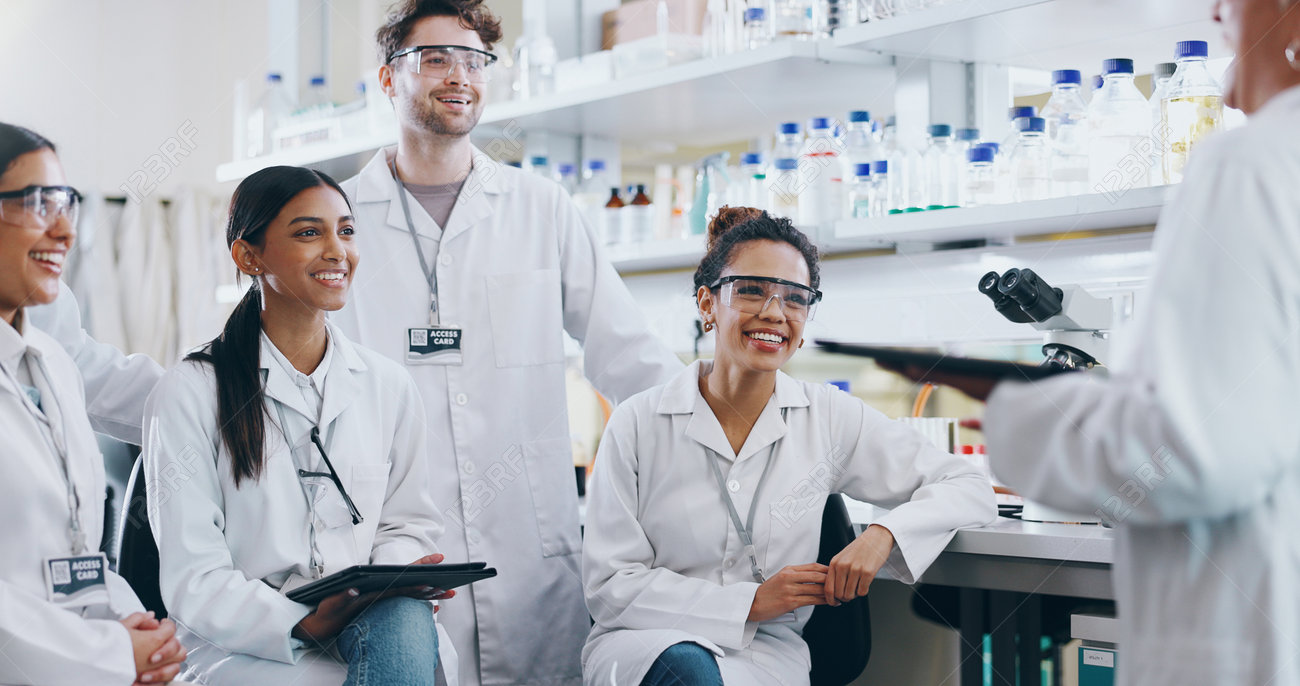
pixel 682 395
pixel 487 177
pixel 1288 99
pixel 341 385
pixel 12 341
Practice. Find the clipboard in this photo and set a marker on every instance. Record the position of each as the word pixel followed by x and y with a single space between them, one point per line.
pixel 367 578
pixel 939 362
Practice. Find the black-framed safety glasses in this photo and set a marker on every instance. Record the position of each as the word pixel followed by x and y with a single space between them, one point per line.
pixel 751 295
pixel 439 61
pixel 333 476
pixel 38 207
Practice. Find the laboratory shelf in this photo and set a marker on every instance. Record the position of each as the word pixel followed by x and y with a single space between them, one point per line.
pixel 306 155
pixel 715 100
pixel 656 255
pixel 1041 34
pixel 1096 212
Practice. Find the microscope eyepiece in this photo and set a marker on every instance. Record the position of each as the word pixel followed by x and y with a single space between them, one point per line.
pixel 1005 306
pixel 1039 300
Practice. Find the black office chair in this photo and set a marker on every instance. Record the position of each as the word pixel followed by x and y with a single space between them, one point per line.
pixel 137 556
pixel 839 638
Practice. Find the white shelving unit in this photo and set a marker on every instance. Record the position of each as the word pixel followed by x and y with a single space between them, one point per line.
pixel 308 154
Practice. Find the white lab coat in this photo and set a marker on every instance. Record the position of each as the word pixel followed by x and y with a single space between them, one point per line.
pixel 517 268
pixel 1193 446
pixel 41 643
pixel 116 385
pixel 663 563
pixel 228 555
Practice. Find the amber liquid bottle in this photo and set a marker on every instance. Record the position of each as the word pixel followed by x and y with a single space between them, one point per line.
pixel 639 219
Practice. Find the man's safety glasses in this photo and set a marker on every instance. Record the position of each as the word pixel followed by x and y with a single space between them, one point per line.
pixel 751 295
pixel 440 61
pixel 38 207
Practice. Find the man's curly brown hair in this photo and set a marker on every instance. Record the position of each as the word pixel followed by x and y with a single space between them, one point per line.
pixel 402 17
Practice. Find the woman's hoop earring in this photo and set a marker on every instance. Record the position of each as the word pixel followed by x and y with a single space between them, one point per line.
pixel 1292 53
pixel 708 326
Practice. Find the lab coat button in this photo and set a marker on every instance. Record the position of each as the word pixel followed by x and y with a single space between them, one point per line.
pixel 444 260
pixel 461 398
pixel 733 485
pixel 468 468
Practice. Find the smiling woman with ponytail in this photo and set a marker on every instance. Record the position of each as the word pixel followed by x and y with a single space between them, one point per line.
pixel 280 453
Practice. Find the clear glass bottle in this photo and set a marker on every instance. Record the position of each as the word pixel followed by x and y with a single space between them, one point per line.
pixel 859 141
pixel 882 199
pixel 1118 132
pixel 318 104
pixel 757 31
pixel 639 217
pixel 270 111
pixel 861 195
pixel 784 188
pixel 1031 161
pixel 754 179
pixel 942 169
pixel 794 19
pixel 590 197
pixel 1013 134
pixel 715 28
pixel 1192 108
pixel 1067 117
pixel 981 177
pixel 789 141
pixel 967 138
pixel 568 177
pixel 1160 76
pixel 823 173
pixel 538 164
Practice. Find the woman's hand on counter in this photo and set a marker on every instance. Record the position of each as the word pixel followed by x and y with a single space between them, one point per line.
pixel 851 571
pixel 791 588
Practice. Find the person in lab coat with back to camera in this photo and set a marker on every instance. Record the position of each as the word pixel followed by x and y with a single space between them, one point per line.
pixel 1191 447
pixel 65 618
pixel 282 453
pixel 480 270
pixel 704 514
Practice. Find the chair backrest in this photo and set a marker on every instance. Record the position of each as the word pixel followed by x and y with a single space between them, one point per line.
pixel 137 557
pixel 839 638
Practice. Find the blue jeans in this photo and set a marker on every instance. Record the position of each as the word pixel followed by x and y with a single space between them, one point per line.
pixel 392 643
pixel 684 664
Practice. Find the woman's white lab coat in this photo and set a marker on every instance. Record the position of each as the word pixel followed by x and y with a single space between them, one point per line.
pixel 1193 446
pixel 662 563
pixel 228 555
pixel 39 642
pixel 516 269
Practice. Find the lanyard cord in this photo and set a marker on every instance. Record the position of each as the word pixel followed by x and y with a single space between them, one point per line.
pixel 76 536
pixel 429 274
pixel 745 531
pixel 317 564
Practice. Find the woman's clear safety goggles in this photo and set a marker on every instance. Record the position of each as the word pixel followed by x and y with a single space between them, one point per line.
pixel 753 294
pixel 38 207
pixel 440 61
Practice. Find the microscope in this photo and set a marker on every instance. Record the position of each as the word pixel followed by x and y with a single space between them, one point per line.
pixel 1074 323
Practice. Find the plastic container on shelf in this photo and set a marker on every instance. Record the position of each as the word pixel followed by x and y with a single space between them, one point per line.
pixel 1067 116
pixel 794 19
pixel 754 180
pixel 1160 76
pixel 1119 134
pixel 861 194
pixel 271 110
pixel 942 169
pixel 1013 134
pixel 1191 109
pixel 784 188
pixel 981 177
pixel 758 32
pixel 655 52
pixel 1031 161
pixel 535 58
pixel 715 28
pixel 821 165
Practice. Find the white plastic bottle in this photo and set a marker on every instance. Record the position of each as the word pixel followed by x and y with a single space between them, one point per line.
pixel 981 176
pixel 794 19
pixel 1160 76
pixel 1067 116
pixel 1118 135
pixel 820 164
pixel 269 112
pixel 753 180
pixel 784 188
pixel 1192 108
pixel 942 169
pixel 861 194
pixel 1031 161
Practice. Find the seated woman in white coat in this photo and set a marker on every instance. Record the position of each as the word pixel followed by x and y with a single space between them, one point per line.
pixel 281 453
pixel 704 515
pixel 64 617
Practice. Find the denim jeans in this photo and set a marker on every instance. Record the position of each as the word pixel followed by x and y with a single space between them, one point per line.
pixel 684 664
pixel 393 643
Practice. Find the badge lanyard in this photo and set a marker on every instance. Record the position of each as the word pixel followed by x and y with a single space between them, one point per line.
pixel 429 274
pixel 76 535
pixel 745 531
pixel 317 564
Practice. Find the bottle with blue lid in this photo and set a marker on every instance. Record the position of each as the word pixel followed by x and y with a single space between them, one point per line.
pixel 753 180
pixel 942 169
pixel 981 176
pixel 1066 115
pixel 1031 161
pixel 784 188
pixel 821 165
pixel 1118 132
pixel 758 32
pixel 1192 108
pixel 883 192
pixel 861 193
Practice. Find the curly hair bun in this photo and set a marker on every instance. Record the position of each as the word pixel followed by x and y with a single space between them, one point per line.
pixel 729 218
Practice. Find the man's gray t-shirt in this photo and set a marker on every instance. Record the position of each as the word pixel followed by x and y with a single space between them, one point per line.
pixel 436 200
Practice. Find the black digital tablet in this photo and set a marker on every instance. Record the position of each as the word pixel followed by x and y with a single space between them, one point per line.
pixel 939 362
pixel 367 578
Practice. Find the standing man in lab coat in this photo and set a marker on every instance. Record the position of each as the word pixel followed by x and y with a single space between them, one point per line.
pixel 478 269
pixel 1191 448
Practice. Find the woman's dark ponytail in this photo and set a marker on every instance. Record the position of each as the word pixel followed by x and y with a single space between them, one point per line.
pixel 235 355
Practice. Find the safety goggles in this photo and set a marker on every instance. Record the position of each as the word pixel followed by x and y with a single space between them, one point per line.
pixel 440 61
pixel 751 295
pixel 38 207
